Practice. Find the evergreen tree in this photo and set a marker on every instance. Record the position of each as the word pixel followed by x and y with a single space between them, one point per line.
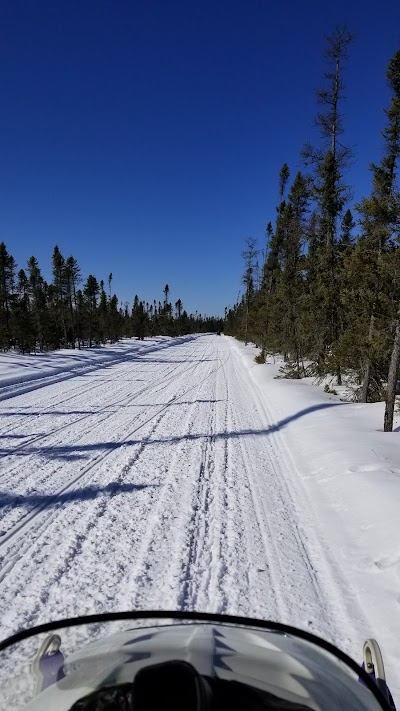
pixel 7 285
pixel 392 139
pixel 166 292
pixel 272 264
pixel 346 242
pixel 329 161
pixel 178 316
pixel 140 319
pixel 72 279
pixel 379 216
pixel 90 293
pixel 249 256
pixel 290 290
pixel 116 319
pixel 103 315
pixel 22 324
pixel 58 293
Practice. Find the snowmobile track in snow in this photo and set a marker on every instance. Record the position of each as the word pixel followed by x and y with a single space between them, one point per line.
pixel 30 522
pixel 177 492
pixel 42 381
pixel 126 399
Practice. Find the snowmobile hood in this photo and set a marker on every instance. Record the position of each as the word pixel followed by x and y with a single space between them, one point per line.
pixel 276 663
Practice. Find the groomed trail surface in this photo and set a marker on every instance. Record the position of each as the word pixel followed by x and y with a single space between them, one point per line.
pixel 156 479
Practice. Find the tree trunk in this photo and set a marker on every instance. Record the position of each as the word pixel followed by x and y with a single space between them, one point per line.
pixel 298 363
pixel 392 379
pixel 367 364
pixel 365 382
pixel 71 315
pixel 247 322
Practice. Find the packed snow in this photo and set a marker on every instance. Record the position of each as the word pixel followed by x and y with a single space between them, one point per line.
pixel 178 474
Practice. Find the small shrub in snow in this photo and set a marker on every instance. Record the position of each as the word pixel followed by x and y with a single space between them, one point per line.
pixel 260 358
pixel 290 371
pixel 330 390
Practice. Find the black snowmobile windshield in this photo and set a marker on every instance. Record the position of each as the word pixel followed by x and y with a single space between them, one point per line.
pixel 188 661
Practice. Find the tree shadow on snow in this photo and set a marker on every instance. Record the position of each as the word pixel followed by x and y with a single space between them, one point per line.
pixel 20 412
pixel 78 451
pixel 87 493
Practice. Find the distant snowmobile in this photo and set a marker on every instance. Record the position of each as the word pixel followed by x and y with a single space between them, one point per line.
pixel 183 661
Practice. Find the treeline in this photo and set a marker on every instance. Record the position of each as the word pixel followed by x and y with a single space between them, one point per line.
pixel 327 293
pixel 70 313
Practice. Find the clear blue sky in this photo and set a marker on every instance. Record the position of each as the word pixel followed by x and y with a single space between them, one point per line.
pixel 145 137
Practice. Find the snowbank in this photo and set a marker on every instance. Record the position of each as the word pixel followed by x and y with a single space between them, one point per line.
pixel 350 470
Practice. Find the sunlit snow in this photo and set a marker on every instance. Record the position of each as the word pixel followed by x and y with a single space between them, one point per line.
pixel 177 473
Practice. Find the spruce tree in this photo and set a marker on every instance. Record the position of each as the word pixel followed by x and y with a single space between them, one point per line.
pixel 392 138
pixel 115 319
pixel 72 278
pixel 249 256
pixel 103 315
pixel 22 322
pixel 290 290
pixel 7 293
pixel 329 161
pixel 274 239
pixel 379 217
pixel 58 296
pixel 90 293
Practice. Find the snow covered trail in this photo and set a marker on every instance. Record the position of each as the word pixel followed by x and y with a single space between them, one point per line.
pixel 158 480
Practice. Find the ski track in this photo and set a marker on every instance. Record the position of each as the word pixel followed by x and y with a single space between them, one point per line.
pixel 155 481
